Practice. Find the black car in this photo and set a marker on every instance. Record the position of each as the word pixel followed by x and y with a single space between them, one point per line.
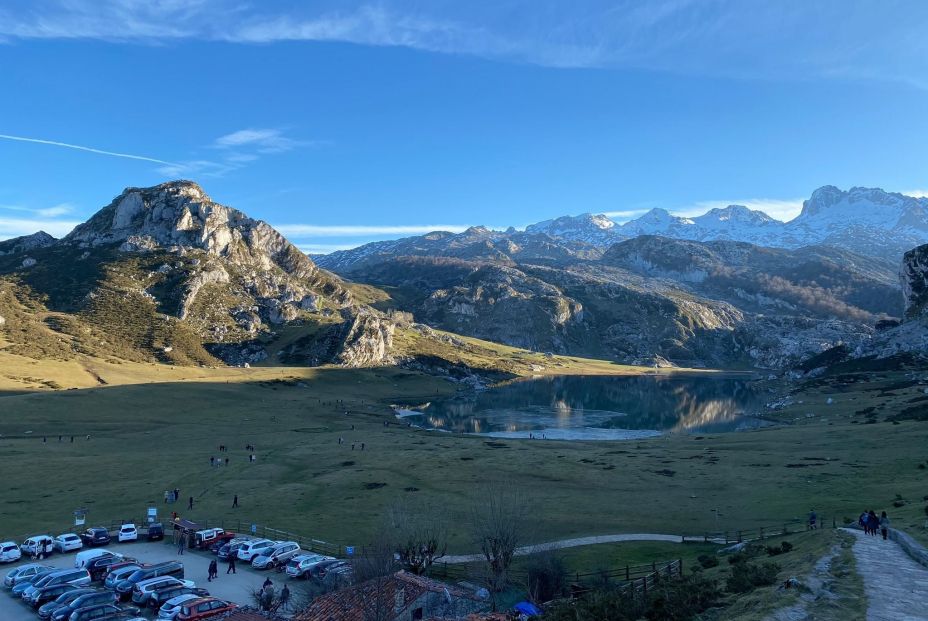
pixel 88 600
pixel 49 593
pixel 100 565
pixel 46 609
pixel 155 531
pixel 96 536
pixel 104 612
pixel 159 596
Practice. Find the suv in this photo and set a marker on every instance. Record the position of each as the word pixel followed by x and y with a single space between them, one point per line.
pixel 252 549
pixel 127 532
pixel 170 608
pixel 48 593
pixel 9 552
pixel 143 590
pixel 96 536
pixel 114 575
pixel 231 548
pixel 39 546
pixel 299 566
pixel 163 594
pixel 37 579
pixel 276 555
pixel 87 600
pixel 24 573
pixel 170 568
pixel 100 565
pixel 203 608
pixel 76 577
pixel 66 542
pixel 46 609
pixel 205 539
pixel 155 531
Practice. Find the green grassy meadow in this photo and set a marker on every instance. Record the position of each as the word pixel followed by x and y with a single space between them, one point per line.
pixel 147 438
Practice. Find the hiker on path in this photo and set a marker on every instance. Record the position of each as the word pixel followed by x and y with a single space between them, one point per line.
pixel 874 522
pixel 213 571
pixel 285 597
pixel 231 568
pixel 227 461
pixel 812 519
pixel 884 525
pixel 862 521
pixel 190 503
pixel 235 502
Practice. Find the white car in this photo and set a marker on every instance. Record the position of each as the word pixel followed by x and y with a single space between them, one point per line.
pixel 253 549
pixel 170 608
pixel 9 552
pixel 39 545
pixel 66 542
pixel 127 532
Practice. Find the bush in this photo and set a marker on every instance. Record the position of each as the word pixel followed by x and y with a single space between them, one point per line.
pixel 680 600
pixel 746 577
pixel 547 577
pixel 783 548
pixel 707 561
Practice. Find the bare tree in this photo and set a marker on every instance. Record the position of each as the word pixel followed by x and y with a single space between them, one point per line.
pixel 420 534
pixel 373 569
pixel 500 524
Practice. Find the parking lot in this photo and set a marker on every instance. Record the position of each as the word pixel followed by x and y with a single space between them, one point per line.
pixel 233 587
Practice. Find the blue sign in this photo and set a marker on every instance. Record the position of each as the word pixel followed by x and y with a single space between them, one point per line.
pixel 254 528
pixel 349 550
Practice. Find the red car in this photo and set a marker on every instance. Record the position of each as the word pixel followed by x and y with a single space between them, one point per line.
pixel 203 608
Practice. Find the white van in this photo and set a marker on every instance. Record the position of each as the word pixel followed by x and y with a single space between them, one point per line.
pixel 253 548
pixel 9 552
pixel 39 545
pixel 84 557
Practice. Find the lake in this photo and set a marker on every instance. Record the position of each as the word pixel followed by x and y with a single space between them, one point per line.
pixel 597 408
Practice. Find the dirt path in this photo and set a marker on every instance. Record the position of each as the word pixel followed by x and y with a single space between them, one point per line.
pixel 896 586
pixel 570 543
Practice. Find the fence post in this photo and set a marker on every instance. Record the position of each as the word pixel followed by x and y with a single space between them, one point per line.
pixel 627 577
pixel 681 567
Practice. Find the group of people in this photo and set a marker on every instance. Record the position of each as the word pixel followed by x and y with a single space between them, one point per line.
pixel 869 521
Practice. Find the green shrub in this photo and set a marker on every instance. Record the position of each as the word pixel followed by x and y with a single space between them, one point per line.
pixel 746 577
pixel 707 561
pixel 783 548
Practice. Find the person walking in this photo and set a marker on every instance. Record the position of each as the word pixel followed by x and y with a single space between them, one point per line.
pixel 813 518
pixel 213 571
pixel 180 545
pixel 231 568
pixel 884 525
pixel 190 503
pixel 862 521
pixel 873 521
pixel 235 502
pixel 285 597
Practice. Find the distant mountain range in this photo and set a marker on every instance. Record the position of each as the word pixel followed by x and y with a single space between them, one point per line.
pixel 867 221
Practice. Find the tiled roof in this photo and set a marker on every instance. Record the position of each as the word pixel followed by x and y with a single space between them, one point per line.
pixel 350 604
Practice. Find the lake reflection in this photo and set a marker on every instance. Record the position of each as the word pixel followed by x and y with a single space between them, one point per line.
pixel 595 407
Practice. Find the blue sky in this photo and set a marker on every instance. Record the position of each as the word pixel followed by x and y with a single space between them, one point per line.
pixel 344 122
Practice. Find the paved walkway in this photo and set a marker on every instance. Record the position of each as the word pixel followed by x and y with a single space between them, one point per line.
pixel 896 586
pixel 569 543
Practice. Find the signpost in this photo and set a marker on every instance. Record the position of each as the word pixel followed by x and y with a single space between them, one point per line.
pixel 80 517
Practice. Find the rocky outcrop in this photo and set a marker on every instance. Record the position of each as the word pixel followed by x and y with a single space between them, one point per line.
pixel 914 279
pixel 364 338
pixel 26 243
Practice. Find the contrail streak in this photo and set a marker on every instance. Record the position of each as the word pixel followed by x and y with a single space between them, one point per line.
pixel 88 149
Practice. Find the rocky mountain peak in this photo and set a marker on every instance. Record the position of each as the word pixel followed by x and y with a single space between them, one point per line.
pixel 40 239
pixel 737 213
pixel 914 279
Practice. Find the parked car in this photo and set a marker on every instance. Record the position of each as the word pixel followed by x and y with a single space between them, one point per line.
pixel 231 548
pixel 169 568
pixel 104 612
pixel 299 566
pixel 329 567
pixel 46 609
pixel 87 600
pixel 205 539
pixel 98 567
pixel 95 536
pixel 23 573
pixel 170 608
pixel 115 574
pixel 203 608
pixel 276 555
pixel 253 548
pixel 9 552
pixel 85 556
pixel 122 564
pixel 162 594
pixel 38 546
pixel 67 542
pixel 155 531
pixel 143 590
pixel 76 577
pixel 127 532
pixel 47 594
pixel 25 583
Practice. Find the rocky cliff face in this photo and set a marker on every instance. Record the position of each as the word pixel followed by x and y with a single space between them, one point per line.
pixel 26 243
pixel 914 278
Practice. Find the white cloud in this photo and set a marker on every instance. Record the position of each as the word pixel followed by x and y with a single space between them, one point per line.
pixel 263 140
pixel 327 248
pixel 66 145
pixel 779 209
pixel 15 227
pixel 628 214
pixel 298 231
pixel 916 193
